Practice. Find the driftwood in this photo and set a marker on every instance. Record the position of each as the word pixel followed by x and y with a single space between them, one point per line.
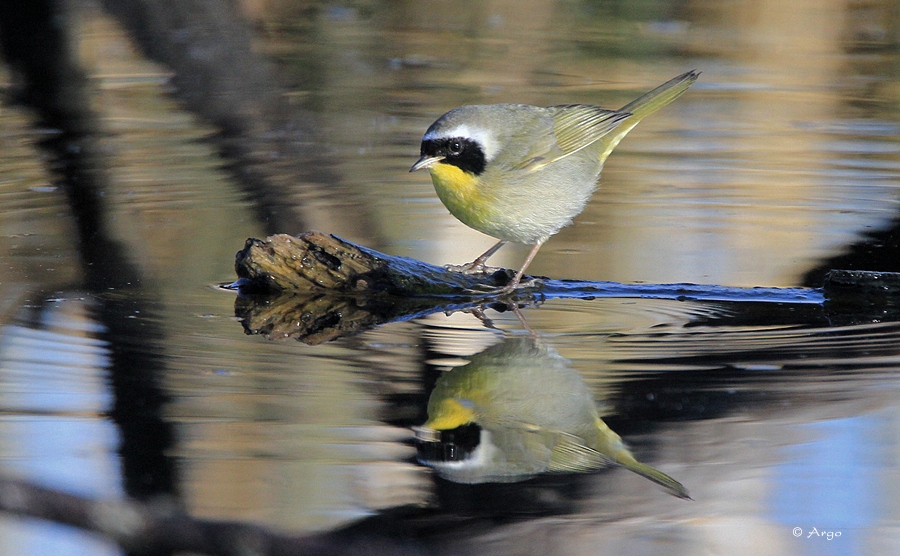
pixel 317 262
pixel 314 262
pixel 317 287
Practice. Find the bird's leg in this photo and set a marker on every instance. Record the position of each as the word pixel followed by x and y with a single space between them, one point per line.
pixel 478 313
pixel 521 317
pixel 509 288
pixel 477 266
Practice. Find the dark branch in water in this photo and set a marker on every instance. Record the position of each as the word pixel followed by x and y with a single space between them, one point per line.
pixel 162 528
pixel 316 263
pixel 317 287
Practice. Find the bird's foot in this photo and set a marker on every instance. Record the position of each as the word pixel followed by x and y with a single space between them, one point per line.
pixel 482 289
pixel 474 267
pixel 531 283
pixel 499 291
pixel 478 312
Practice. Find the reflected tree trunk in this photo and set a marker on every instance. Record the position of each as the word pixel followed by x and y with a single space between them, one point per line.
pixel 274 149
pixel 39 49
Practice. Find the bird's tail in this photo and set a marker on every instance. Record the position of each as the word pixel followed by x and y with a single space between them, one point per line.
pixel 671 485
pixel 647 104
pixel 610 445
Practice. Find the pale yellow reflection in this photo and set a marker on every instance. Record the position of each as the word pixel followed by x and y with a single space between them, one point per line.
pixel 535 415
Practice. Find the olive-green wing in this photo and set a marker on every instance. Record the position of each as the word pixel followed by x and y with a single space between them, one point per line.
pixel 579 125
pixel 576 126
pixel 573 127
pixel 570 455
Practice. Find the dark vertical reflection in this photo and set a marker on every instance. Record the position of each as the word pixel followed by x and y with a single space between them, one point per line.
pixel 227 85
pixel 36 46
pixel 273 148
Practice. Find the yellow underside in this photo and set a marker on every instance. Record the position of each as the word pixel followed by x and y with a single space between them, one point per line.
pixel 460 193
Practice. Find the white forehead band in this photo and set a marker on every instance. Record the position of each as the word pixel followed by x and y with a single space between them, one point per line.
pixel 482 136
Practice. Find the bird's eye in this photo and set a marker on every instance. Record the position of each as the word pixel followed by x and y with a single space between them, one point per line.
pixel 455 147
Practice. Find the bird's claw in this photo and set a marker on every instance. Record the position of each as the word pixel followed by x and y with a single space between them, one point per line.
pixel 471 268
pixel 478 312
pixel 482 289
pixel 531 283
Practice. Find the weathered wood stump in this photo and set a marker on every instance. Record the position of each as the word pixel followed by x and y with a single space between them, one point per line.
pixel 317 262
pixel 317 287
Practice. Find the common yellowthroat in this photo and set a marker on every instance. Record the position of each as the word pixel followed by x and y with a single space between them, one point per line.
pixel 520 173
pixel 535 415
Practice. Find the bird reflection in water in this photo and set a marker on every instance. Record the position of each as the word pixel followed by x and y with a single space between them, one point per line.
pixel 517 410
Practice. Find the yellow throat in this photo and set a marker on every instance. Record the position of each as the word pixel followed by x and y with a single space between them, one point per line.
pixel 459 192
pixel 449 414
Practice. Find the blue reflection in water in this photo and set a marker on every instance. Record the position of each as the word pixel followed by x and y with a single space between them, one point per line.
pixel 830 485
pixel 53 429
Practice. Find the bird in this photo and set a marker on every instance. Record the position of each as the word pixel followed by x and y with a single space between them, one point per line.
pixel 520 173
pixel 534 415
